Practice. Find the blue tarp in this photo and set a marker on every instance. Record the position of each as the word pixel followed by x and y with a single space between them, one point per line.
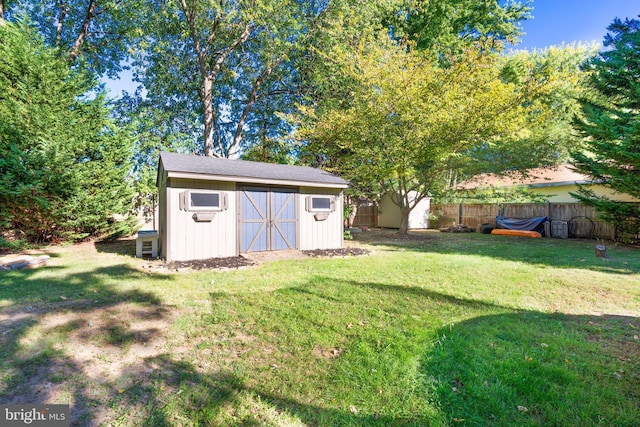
pixel 529 224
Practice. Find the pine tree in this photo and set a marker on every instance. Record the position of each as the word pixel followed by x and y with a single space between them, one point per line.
pixel 63 162
pixel 611 125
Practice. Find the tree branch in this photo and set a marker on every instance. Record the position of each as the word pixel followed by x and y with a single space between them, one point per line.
pixel 190 17
pixel 63 15
pixel 237 138
pixel 244 36
pixel 252 100
pixel 75 50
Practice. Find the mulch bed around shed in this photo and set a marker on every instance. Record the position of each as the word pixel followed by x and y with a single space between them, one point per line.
pixel 342 252
pixel 211 263
pixel 232 263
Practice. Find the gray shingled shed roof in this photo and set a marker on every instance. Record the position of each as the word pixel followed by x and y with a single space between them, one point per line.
pixel 183 165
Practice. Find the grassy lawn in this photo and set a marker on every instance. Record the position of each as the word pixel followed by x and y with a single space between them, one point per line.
pixel 439 329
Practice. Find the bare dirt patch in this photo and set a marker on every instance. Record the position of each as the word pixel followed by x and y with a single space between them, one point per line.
pixel 327 353
pixel 383 236
pixel 82 353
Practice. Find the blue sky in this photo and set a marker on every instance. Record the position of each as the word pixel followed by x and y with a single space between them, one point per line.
pixel 565 21
pixel 554 22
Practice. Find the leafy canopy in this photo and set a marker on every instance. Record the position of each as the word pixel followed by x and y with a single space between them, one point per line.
pixel 408 119
pixel 447 25
pixel 553 79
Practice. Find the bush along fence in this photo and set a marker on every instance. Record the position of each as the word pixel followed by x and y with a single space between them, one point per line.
pixel 565 219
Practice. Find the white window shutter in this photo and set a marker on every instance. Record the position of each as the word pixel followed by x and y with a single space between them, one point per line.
pixel 183 201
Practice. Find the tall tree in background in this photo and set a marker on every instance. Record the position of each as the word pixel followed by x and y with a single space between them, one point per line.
pixel 96 33
pixel 611 124
pixel 446 25
pixel 64 164
pixel 3 9
pixel 223 60
pixel 546 137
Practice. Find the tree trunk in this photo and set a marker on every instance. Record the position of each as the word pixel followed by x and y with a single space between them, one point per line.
pixel 208 74
pixel 207 101
pixel 2 8
pixel 61 18
pixel 404 221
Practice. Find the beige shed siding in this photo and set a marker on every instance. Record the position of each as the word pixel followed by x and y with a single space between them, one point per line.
pixel 162 212
pixel 327 234
pixel 390 216
pixel 200 240
pixel 162 222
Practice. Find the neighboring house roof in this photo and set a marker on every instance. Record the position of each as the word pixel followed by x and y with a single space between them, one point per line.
pixel 551 176
pixel 210 168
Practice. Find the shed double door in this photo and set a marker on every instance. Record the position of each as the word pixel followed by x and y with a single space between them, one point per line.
pixel 267 219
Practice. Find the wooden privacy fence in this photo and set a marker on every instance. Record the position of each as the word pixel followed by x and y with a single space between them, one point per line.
pixel 581 220
pixel 365 215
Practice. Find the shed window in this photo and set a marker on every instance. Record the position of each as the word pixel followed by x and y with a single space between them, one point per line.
pixel 320 203
pixel 203 200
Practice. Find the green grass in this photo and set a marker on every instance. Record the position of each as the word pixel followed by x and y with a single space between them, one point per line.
pixel 447 330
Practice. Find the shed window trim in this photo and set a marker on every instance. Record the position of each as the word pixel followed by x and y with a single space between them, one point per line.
pixel 320 203
pixel 202 201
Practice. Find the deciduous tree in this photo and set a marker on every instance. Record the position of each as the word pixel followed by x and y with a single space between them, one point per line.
pixel 447 25
pixel 223 60
pixel 96 33
pixel 408 118
pixel 546 137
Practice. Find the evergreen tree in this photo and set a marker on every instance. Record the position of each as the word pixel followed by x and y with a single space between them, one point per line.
pixel 611 125
pixel 63 163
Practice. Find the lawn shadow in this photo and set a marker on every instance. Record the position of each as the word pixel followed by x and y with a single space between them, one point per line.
pixel 166 387
pixel 60 334
pixel 565 253
pixel 532 368
pixel 358 329
pixel 499 367
pixel 22 286
pixel 415 291
pixel 155 387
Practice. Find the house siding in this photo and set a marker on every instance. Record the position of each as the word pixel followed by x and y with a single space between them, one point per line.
pixel 561 193
pixel 327 234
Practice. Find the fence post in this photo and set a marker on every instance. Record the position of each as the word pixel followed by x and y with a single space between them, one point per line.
pixel 459 213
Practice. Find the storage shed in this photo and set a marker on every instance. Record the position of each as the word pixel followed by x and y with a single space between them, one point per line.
pixel 390 216
pixel 212 208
